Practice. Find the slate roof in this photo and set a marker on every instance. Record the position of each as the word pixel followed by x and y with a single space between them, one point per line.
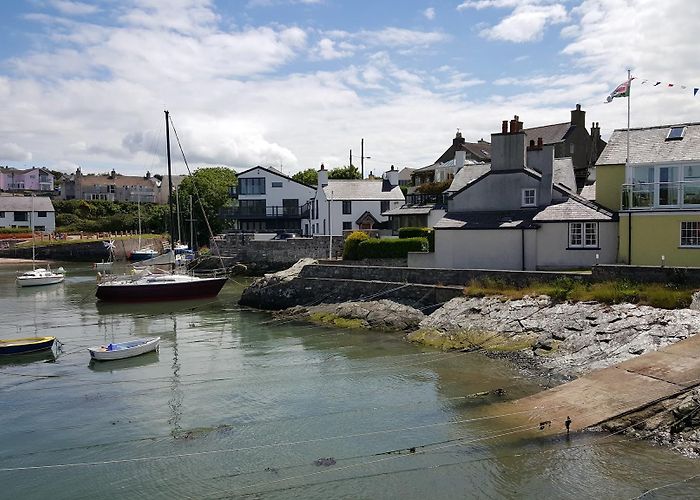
pixel 367 189
pixel 482 150
pixel 563 173
pixel 574 208
pixel 512 219
pixel 649 145
pixel 588 192
pixel 550 134
pixel 24 204
pixel 467 174
pixel 410 210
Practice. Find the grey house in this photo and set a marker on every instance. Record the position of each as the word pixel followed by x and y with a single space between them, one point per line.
pixel 522 213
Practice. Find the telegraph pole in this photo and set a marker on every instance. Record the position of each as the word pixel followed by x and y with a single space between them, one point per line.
pixel 350 158
pixel 363 157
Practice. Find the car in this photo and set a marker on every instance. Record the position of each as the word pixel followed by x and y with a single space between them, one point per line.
pixel 285 236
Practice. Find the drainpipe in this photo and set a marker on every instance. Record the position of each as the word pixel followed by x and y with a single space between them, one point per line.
pixel 522 248
pixel 629 239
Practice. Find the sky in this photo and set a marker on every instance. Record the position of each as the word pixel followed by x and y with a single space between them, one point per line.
pixel 295 83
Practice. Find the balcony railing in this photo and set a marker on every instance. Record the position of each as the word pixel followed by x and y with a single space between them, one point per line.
pixel 439 200
pixel 660 195
pixel 270 212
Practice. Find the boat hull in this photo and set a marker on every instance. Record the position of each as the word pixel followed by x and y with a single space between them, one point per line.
pixel 39 281
pixel 125 350
pixel 203 288
pixel 139 255
pixel 12 347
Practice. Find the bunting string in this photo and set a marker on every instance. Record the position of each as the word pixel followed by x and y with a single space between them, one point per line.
pixel 660 83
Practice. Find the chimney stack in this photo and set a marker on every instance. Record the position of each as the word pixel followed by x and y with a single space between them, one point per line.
pixel 392 176
pixel 508 147
pixel 578 117
pixel 322 177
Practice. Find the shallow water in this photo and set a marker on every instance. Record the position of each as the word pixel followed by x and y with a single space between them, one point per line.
pixel 235 405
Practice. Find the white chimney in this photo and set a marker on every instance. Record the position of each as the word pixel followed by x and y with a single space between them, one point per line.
pixel 460 159
pixel 322 177
pixel 392 176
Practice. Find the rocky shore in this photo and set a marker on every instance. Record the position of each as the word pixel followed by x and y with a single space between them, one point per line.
pixel 555 340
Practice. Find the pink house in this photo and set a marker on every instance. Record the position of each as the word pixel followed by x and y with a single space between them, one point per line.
pixel 30 179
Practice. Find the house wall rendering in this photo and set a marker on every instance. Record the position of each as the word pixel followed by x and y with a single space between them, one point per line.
pixel 660 234
pixel 609 181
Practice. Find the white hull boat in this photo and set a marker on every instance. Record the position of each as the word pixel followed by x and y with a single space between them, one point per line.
pixel 124 350
pixel 40 276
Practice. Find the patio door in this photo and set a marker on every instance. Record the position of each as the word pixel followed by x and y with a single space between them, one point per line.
pixel 668 194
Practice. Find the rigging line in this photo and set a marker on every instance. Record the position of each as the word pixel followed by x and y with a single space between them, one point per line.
pixel 667 485
pixel 256 447
pixel 196 191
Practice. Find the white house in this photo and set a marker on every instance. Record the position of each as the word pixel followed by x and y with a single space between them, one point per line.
pixel 521 214
pixel 345 205
pixel 270 201
pixel 25 211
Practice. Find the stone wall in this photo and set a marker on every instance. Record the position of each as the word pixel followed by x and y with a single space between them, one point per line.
pixel 83 251
pixel 244 248
pixel 689 276
pixel 458 277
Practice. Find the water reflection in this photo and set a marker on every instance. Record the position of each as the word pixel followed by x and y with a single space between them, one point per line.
pixel 124 364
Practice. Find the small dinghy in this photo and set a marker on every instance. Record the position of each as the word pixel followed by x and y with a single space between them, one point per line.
pixel 12 347
pixel 124 350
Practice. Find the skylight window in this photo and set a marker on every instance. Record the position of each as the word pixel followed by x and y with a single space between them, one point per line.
pixel 675 134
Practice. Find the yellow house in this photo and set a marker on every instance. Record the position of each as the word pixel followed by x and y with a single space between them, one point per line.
pixel 657 193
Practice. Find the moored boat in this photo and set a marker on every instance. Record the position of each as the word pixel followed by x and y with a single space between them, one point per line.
pixel 40 276
pixel 146 286
pixel 142 254
pixel 11 347
pixel 124 350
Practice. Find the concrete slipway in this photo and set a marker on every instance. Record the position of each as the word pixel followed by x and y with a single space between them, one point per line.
pixel 611 392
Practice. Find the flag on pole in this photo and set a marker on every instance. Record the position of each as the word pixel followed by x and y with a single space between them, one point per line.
pixel 622 90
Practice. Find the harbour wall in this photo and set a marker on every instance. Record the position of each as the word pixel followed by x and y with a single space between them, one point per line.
pixel 83 251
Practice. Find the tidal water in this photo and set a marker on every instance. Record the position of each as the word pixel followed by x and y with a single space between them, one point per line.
pixel 237 405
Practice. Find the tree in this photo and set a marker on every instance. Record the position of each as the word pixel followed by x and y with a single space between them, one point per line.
pixel 213 185
pixel 347 172
pixel 308 177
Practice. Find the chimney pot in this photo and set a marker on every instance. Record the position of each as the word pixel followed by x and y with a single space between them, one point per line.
pixel 578 107
pixel 532 143
pixel 539 142
pixel 322 167
pixel 504 127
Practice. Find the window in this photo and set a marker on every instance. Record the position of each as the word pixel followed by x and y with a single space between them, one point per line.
pixel 40 228
pixel 21 216
pixel 252 185
pixel 276 184
pixel 529 197
pixel 690 234
pixel 347 207
pixel 41 214
pixel 317 215
pixel 384 206
pixel 2 215
pixel 290 206
pixel 583 235
pixel 675 134
pixel 347 226
pixel 571 149
pixel 251 208
pixel 112 188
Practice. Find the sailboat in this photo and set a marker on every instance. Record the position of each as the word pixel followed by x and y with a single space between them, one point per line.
pixel 38 275
pixel 149 286
pixel 141 253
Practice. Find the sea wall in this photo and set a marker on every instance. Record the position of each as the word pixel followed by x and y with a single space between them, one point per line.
pixel 276 254
pixel 83 251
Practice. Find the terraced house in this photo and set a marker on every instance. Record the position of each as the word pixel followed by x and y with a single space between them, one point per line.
pixel 657 193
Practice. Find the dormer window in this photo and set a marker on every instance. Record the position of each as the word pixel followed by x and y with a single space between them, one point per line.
pixel 675 134
pixel 529 197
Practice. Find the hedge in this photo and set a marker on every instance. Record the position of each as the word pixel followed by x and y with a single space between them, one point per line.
pixel 351 247
pixel 391 248
pixel 419 232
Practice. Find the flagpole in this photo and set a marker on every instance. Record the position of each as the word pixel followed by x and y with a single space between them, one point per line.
pixel 629 97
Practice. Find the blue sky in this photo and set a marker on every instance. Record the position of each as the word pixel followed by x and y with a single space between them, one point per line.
pixel 293 83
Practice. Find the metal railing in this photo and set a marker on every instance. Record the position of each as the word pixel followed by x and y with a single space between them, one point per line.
pixel 655 195
pixel 266 212
pixel 426 199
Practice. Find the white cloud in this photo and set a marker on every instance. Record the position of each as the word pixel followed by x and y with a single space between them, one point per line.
pixel 74 8
pixel 429 13
pixel 526 23
pixel 11 151
pixel 326 50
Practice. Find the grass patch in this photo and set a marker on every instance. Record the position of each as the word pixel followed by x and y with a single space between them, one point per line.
pixel 470 339
pixel 661 295
pixel 335 320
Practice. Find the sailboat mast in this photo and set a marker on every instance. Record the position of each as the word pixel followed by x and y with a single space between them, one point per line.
pixel 170 179
pixel 31 223
pixel 138 209
pixel 177 205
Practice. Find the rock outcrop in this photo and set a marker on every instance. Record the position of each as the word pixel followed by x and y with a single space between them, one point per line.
pixel 569 338
pixel 375 315
pixel 270 288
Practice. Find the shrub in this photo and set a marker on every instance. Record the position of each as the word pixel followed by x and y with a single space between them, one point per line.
pixel 352 245
pixel 434 187
pixel 419 232
pixel 391 248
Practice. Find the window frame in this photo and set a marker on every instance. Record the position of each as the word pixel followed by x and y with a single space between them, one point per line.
pixel 347 225
pixel 276 184
pixel 696 229
pixel 524 195
pixel 582 235
pixel 384 205
pixel 347 207
pixel 252 186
